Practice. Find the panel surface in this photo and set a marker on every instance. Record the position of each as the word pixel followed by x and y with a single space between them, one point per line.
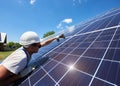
pixel 89 56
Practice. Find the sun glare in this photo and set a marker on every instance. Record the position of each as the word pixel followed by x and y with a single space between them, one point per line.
pixel 71 67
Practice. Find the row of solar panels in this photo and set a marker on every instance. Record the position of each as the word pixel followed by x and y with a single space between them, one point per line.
pixel 89 56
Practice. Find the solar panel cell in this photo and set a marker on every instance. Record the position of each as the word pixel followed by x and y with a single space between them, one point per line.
pixel 104 38
pixel 59 57
pixel 77 51
pixel 106 22
pixel 46 81
pixel 114 44
pixel 96 53
pixel 97 82
pixel 58 72
pixel 113 54
pixel 59 49
pixel 87 65
pixel 117 55
pixel 108 71
pixel 115 20
pixel 84 45
pixel 68 50
pixel 50 65
pixel 38 75
pixel 100 45
pixel 70 59
pixel 75 78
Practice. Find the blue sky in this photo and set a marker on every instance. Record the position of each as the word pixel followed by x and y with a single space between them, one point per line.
pixel 41 16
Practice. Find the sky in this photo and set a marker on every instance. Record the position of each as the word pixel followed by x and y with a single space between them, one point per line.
pixel 41 16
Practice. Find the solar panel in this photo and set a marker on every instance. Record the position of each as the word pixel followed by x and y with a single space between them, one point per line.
pixel 89 56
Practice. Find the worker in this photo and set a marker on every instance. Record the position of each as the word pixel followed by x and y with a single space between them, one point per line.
pixel 11 68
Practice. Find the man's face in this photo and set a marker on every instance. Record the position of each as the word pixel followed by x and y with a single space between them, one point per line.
pixel 35 47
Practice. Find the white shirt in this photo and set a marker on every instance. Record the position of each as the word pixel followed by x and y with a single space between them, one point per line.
pixel 16 62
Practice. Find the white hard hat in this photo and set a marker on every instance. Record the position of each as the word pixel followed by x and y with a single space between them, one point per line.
pixel 29 37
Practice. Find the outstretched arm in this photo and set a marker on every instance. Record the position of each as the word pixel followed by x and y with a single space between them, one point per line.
pixel 52 39
pixel 48 41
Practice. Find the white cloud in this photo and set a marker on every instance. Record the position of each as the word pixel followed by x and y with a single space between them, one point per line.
pixel 59 25
pixel 63 23
pixel 67 21
pixel 71 28
pixel 32 2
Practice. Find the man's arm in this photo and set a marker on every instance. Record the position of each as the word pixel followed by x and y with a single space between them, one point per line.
pixel 7 77
pixel 52 39
pixel 4 73
pixel 48 41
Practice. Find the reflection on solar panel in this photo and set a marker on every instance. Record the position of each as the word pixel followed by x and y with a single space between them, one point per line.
pixel 89 56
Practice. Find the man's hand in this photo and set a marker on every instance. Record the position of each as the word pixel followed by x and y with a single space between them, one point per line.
pixel 61 36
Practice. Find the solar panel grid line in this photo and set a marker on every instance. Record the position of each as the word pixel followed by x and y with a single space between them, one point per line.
pixel 29 81
pixel 115 21
pixel 112 74
pixel 57 84
pixel 112 61
pixel 68 66
pixel 68 54
pixel 112 13
pixel 101 60
pixel 49 74
pixel 106 81
pixel 103 14
pixel 31 76
pixel 79 58
pixel 53 67
pixel 103 41
pixel 39 79
pixel 33 84
pixel 48 71
pixel 108 22
pixel 108 70
pixel 119 62
pixel 59 45
pixel 98 30
pixel 100 18
pixel 90 24
pixel 103 17
pixel 109 12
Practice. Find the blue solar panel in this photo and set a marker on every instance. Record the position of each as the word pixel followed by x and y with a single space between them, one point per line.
pixel 89 56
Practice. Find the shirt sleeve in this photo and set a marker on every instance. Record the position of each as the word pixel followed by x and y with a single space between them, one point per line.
pixel 16 62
